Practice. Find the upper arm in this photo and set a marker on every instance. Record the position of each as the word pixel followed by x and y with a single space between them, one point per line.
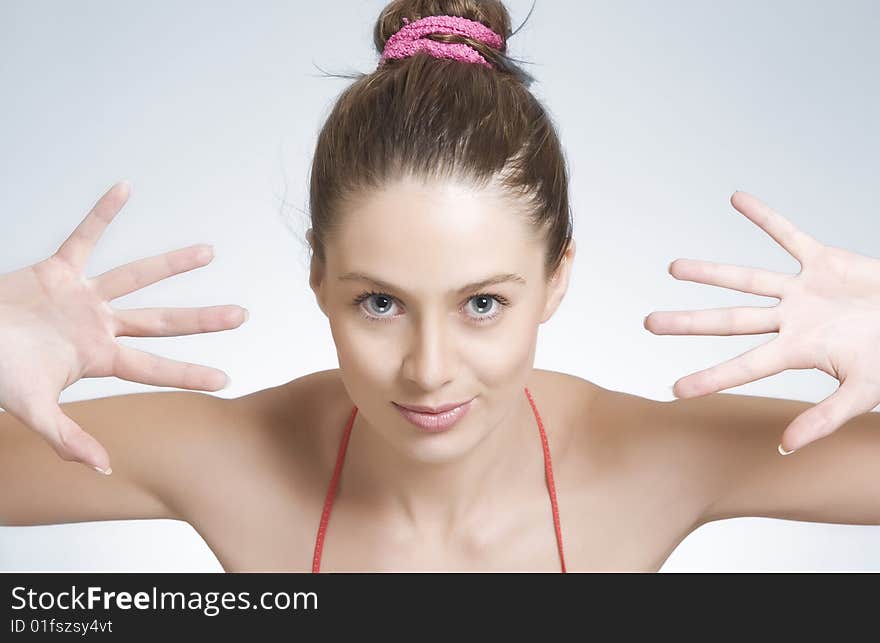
pixel 734 440
pixel 150 438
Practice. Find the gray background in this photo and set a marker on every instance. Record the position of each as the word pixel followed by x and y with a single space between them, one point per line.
pixel 665 109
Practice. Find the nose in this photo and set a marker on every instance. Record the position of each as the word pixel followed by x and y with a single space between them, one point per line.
pixel 429 360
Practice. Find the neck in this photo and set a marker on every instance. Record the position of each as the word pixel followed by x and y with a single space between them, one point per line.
pixel 452 496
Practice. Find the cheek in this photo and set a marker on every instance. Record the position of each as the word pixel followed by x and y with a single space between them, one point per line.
pixel 504 357
pixel 362 349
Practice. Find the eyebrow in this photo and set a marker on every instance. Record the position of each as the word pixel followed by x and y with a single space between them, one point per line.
pixel 497 279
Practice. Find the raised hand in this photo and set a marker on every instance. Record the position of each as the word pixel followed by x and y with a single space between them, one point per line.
pixel 828 317
pixel 56 327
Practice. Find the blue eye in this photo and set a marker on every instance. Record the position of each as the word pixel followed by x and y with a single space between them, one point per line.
pixel 385 301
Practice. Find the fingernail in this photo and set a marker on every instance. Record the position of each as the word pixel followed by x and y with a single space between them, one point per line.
pixel 783 451
pixel 247 314
pixel 106 472
pixel 228 383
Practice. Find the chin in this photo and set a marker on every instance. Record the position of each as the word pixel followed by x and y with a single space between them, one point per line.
pixel 436 448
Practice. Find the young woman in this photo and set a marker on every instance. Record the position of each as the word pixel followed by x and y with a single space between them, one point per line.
pixel 441 239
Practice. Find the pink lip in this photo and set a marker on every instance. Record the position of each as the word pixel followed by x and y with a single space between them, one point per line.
pixel 431 409
pixel 434 422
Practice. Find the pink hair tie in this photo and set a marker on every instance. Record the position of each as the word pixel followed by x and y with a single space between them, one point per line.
pixel 409 39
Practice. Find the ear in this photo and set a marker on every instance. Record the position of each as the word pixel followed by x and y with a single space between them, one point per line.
pixel 558 284
pixel 316 272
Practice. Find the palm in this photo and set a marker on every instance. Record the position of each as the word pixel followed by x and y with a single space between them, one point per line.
pixel 831 311
pixel 79 318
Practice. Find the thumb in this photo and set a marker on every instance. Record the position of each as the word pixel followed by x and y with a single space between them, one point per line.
pixel 849 400
pixel 69 440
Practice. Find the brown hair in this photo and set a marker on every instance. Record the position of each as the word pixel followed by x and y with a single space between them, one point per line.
pixel 438 118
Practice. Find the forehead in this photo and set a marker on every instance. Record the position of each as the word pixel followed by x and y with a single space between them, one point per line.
pixel 409 224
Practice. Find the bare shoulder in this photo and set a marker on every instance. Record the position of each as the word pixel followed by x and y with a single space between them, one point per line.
pixel 295 418
pixel 249 449
pixel 606 414
pixel 593 413
pixel 639 445
pixel 297 406
pixel 293 401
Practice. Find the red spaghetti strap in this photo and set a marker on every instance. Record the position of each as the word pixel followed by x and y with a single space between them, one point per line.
pixel 328 502
pixel 548 470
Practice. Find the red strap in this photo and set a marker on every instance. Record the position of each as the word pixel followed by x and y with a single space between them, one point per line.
pixel 328 502
pixel 551 486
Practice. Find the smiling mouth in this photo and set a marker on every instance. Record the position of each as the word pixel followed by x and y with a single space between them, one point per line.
pixel 431 409
pixel 435 422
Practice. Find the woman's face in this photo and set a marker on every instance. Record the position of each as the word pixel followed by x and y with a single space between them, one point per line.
pixel 407 326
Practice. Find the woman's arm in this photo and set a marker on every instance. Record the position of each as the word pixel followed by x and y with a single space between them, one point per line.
pixel 733 440
pixel 156 441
